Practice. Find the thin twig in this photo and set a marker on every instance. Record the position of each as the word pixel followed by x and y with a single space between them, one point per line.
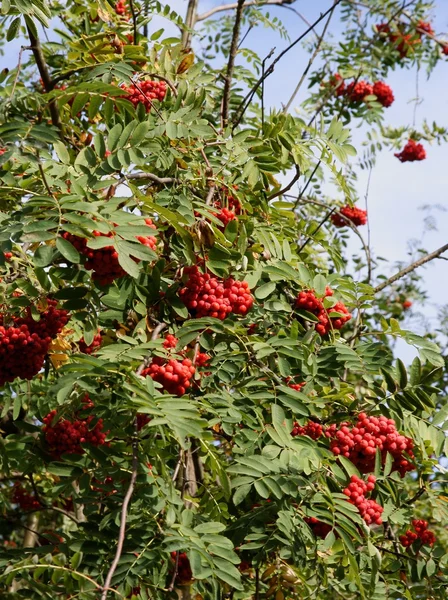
pixel 231 63
pixel 411 267
pixel 134 21
pixel 173 578
pixel 324 220
pixel 302 193
pixel 414 498
pixel 288 187
pixel 123 517
pixel 19 66
pixel 151 176
pixel 248 99
pixel 224 7
pixel 310 62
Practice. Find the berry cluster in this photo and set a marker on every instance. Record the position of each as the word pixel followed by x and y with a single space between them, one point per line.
pixel 355 215
pixel 175 376
pixel 184 574
pixel 142 420
pixel 23 498
pixel 202 359
pixel 25 343
pixel 319 529
pixel 170 341
pixel 225 216
pixel 145 92
pixel 66 437
pixel 229 213
pixel 356 91
pixel 311 429
pixel 295 386
pixel 92 347
pixel 121 9
pixel 421 532
pixel 360 442
pixel 356 491
pixel 404 42
pixel 104 261
pixel 308 301
pixel 208 296
pixel 411 152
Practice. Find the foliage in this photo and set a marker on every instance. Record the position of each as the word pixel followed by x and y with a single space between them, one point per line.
pixel 106 204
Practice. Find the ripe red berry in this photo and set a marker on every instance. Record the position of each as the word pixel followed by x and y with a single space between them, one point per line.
pixel 421 532
pixel 356 215
pixel 104 261
pixel 359 443
pixel 24 499
pixel 311 429
pixel 319 528
pixel 25 343
pixel 307 300
pixel 145 92
pixel 357 91
pixel 208 296
pixel 66 436
pixel 425 27
pixel 92 347
pixel 445 49
pixel 356 494
pixel 184 574
pixel 338 84
pixel 412 151
pixel 407 304
pixel 383 93
pixel 170 341
pixel 174 376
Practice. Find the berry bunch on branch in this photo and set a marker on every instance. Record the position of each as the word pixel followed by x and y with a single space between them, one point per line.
pixel 355 215
pixel 421 532
pixel 328 319
pixel 356 492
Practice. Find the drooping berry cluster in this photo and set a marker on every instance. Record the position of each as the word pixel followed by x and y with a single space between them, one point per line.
pixel 412 152
pixel 104 261
pixel 66 437
pixel 92 347
pixel 359 443
pixel 319 528
pixel 228 213
pixel 357 91
pixel 307 300
pixel 355 215
pixel 356 492
pixel 202 360
pixel 208 296
pixel 145 92
pixel 311 429
pixel 175 376
pixel 421 532
pixel 23 498
pixel 25 343
pixel 184 574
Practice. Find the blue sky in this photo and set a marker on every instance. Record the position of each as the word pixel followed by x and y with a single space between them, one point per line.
pixel 397 191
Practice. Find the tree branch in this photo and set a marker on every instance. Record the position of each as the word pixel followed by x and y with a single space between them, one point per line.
pixel 411 267
pixel 45 75
pixel 231 64
pixel 123 518
pixel 224 7
pixel 248 99
pixel 151 176
pixel 190 22
pixel 288 187
pixel 310 62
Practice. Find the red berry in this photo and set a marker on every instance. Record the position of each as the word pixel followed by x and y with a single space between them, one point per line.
pixel 411 152
pixel 145 92
pixel 383 93
pixel 355 215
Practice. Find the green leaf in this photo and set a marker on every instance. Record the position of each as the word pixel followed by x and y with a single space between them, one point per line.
pixel 241 493
pixel 319 285
pixel 43 256
pixel 114 136
pixel 210 527
pixel 265 290
pixel 62 152
pixel 13 29
pixel 67 250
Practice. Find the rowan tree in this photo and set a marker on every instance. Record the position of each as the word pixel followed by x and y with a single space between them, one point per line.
pixel 199 389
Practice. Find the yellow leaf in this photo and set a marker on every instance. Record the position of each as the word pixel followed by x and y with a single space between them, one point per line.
pixel 185 63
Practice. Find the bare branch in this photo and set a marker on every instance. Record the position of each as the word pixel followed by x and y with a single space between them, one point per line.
pixel 231 63
pixel 224 7
pixel 288 187
pixel 411 267
pixel 248 99
pixel 190 22
pixel 123 518
pixel 45 75
pixel 150 176
pixel 310 62
pixel 324 220
pixel 134 21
